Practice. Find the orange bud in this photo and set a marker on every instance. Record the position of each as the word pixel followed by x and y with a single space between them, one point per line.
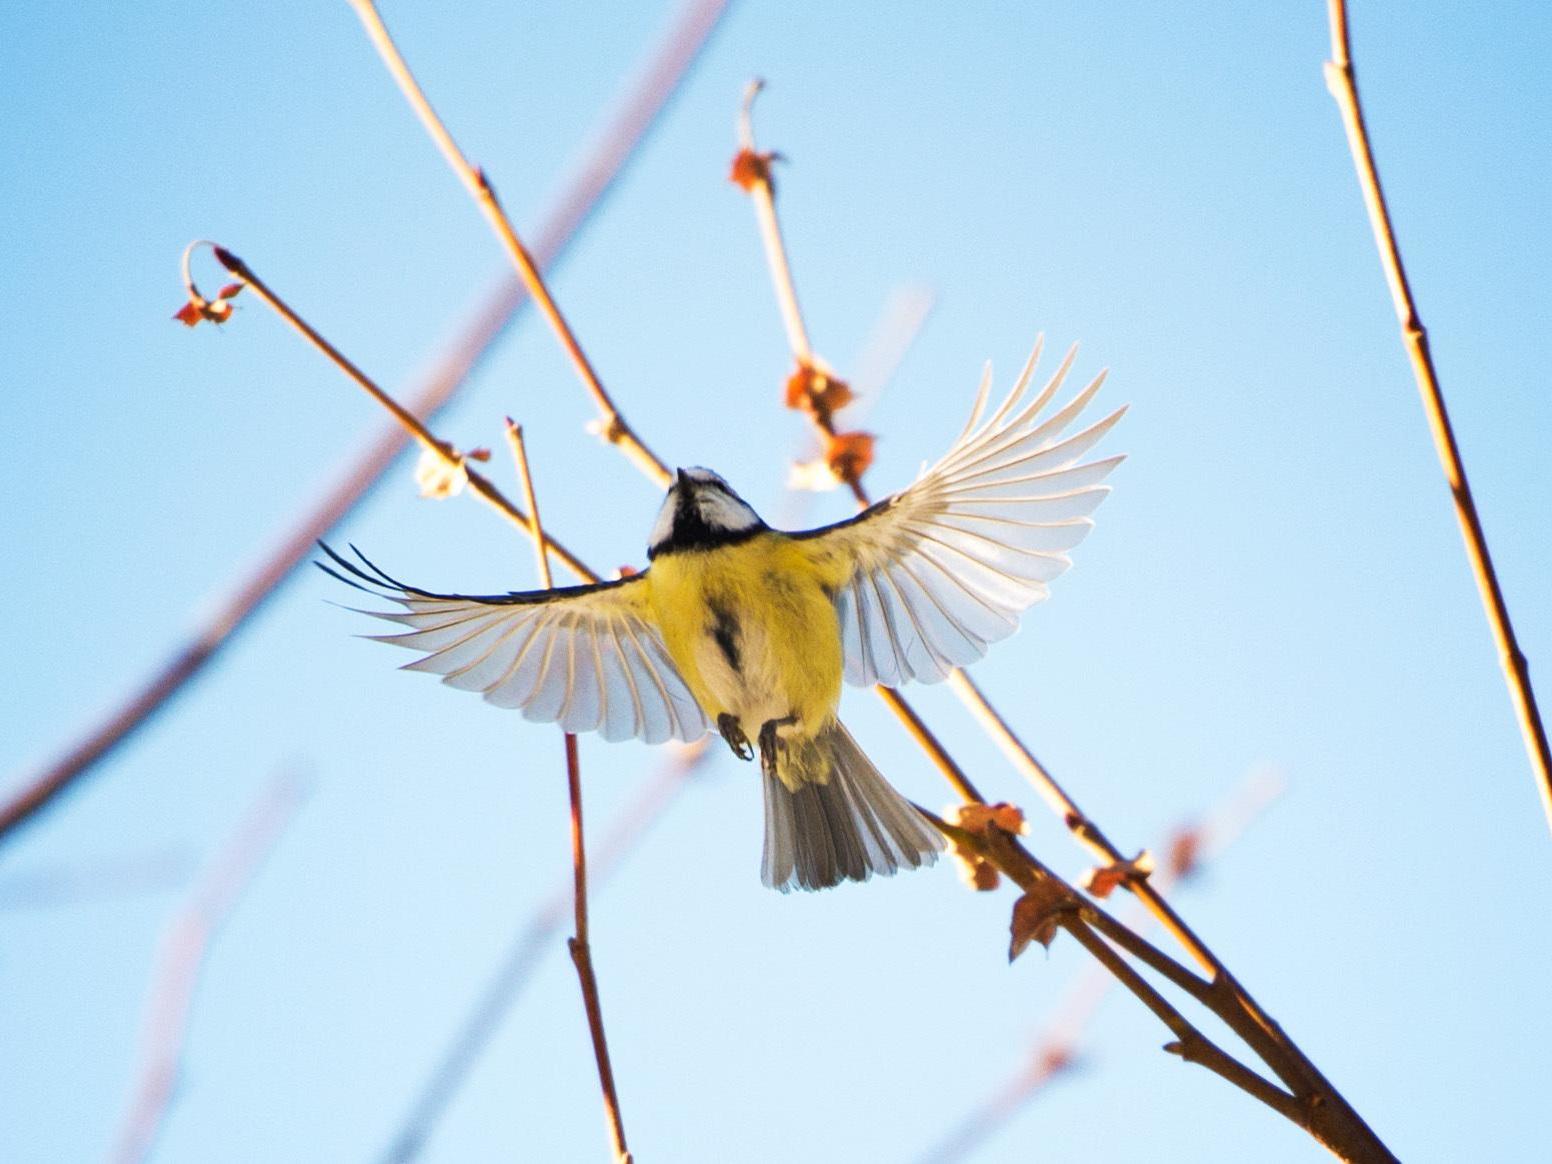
pixel 751 168
pixel 849 454
pixel 1105 881
pixel 1036 917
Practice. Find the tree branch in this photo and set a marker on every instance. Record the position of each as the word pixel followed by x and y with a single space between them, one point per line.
pixel 523 954
pixel 614 428
pixel 1342 83
pixel 581 950
pixel 1189 847
pixel 625 128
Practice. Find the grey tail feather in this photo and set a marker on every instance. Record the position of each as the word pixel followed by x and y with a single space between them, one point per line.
pixel 845 828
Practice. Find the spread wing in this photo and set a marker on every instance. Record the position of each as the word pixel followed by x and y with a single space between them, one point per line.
pixel 928 577
pixel 585 657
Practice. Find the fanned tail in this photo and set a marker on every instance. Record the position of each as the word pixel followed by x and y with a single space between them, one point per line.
pixel 845 827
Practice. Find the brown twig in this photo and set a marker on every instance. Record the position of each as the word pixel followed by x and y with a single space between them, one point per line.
pixel 1322 1110
pixel 613 426
pixel 580 946
pixel 1087 922
pixel 1190 847
pixel 532 941
pixel 1342 83
pixel 624 130
pixel 482 486
pixel 813 387
pixel 762 189
pixel 185 946
pixel 1264 1035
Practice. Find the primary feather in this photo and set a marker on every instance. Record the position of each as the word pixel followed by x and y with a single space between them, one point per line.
pixel 930 576
pixel 586 657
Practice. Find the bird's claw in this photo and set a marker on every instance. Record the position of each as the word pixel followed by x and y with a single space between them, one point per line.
pixel 734 735
pixel 771 743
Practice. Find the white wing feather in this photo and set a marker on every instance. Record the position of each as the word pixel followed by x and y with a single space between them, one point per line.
pixel 582 656
pixel 940 570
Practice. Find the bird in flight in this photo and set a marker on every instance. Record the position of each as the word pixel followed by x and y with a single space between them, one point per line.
pixel 750 630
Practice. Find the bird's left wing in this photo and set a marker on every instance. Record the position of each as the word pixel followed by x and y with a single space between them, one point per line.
pixel 928 577
pixel 585 657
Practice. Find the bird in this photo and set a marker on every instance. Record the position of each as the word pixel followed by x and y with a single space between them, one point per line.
pixel 750 631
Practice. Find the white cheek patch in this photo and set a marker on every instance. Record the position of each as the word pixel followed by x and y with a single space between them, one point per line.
pixel 723 512
pixel 664 525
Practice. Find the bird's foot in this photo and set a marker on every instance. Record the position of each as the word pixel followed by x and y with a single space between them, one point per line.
pixel 734 735
pixel 771 743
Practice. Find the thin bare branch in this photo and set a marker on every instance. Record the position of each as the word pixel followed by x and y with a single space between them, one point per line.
pixel 581 949
pixel 528 947
pixel 1342 82
pixel 1188 849
pixel 762 189
pixel 624 129
pixel 479 484
pixel 1080 918
pixel 184 950
pixel 613 427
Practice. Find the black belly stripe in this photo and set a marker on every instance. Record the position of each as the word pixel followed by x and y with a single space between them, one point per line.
pixel 724 630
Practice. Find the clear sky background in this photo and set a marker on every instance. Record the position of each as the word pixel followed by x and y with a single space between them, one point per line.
pixel 1277 580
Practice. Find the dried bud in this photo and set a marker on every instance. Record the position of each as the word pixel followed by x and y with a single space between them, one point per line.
pixel 199 310
pixel 1185 851
pixel 849 454
pixel 1104 881
pixel 751 168
pixel 977 872
pixel 1036 917
pixel 815 389
pixel 812 477
pixel 976 818
pixel 438 479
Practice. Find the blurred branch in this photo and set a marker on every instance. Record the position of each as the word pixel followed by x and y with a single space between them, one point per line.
pixel 900 322
pixel 626 126
pixel 185 948
pixel 614 428
pixel 1342 83
pixel 480 1027
pixel 102 879
pixel 580 946
pixel 1189 847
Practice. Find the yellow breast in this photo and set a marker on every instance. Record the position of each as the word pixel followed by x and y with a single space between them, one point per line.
pixel 752 630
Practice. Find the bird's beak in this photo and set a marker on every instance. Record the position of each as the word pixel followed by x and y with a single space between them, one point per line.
pixel 683 481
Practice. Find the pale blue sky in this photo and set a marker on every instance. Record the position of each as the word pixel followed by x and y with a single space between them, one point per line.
pixel 1276 581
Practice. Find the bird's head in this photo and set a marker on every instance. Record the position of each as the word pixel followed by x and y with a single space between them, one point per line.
pixel 701 512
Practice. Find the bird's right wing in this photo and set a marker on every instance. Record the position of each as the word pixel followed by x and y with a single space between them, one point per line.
pixel 585 657
pixel 928 577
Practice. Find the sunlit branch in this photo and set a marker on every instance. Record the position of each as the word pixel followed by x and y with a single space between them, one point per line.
pixel 1087 923
pixel 1190 847
pixel 1342 83
pixel 1320 1109
pixel 528 947
pixel 613 427
pixel 579 945
pixel 480 485
pixel 623 130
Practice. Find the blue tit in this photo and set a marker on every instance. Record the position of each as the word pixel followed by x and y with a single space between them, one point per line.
pixel 750 630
